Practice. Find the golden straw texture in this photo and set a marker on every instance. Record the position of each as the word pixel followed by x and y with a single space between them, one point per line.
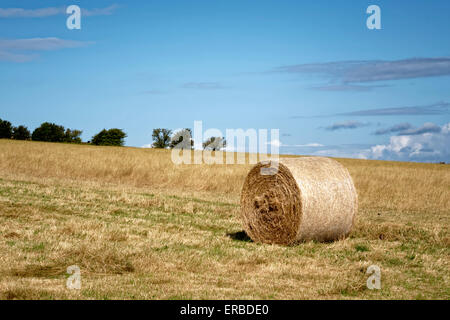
pixel 309 198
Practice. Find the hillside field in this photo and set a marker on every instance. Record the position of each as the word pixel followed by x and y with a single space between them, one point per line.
pixel 140 227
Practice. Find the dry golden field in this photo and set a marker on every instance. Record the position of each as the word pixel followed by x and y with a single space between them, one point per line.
pixel 140 227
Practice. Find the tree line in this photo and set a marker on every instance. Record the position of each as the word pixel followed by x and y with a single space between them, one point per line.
pixel 165 138
pixel 51 132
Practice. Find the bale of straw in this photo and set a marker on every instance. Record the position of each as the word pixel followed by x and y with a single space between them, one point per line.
pixel 308 198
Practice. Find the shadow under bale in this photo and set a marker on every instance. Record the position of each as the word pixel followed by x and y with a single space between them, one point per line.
pixel 239 236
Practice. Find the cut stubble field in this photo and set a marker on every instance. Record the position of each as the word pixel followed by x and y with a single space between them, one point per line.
pixel 140 227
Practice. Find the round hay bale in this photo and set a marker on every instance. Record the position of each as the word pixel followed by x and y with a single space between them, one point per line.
pixel 308 198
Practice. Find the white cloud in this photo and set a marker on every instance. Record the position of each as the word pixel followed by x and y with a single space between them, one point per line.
pixel 428 146
pixel 310 145
pixel 428 143
pixel 276 143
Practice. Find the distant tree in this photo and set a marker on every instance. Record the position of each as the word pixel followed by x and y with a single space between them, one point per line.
pixel 183 137
pixel 72 136
pixel 99 138
pixel 5 129
pixel 161 138
pixel 111 137
pixel 21 133
pixel 49 132
pixel 215 144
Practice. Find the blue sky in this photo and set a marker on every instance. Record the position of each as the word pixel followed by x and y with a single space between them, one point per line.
pixel 311 69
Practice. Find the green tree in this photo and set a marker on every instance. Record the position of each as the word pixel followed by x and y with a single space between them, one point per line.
pixel 5 129
pixel 161 138
pixel 49 132
pixel 72 136
pixel 182 139
pixel 21 133
pixel 111 137
pixel 215 144
pixel 99 138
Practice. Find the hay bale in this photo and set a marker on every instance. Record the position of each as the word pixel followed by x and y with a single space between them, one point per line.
pixel 309 198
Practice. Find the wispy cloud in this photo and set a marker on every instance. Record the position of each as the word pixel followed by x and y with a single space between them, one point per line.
pixel 431 109
pixel 16 57
pixel 53 11
pixel 348 87
pixel 17 50
pixel 307 145
pixel 396 128
pixel 428 127
pixel 346 125
pixel 346 72
pixel 39 44
pixel 406 129
pixel 153 91
pixel 30 13
pixel 203 85
pixel 438 108
pixel 99 11
pixel 341 151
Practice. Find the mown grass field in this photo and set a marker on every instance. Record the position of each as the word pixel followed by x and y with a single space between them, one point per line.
pixel 140 227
